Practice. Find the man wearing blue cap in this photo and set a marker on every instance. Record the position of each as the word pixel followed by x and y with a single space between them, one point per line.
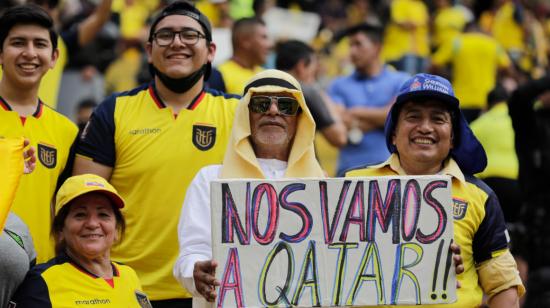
pixel 427 135
pixel 150 142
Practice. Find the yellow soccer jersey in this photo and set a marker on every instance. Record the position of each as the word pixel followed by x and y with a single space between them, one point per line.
pixel 448 23
pixel 495 132
pixel 62 283
pixel 154 156
pixel 475 59
pixel 397 40
pixel 479 226
pixel 52 135
pixel 235 76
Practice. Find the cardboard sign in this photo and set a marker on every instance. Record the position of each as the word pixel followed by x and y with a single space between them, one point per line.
pixel 282 24
pixel 333 242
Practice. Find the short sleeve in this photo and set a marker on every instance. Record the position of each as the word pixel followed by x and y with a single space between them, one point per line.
pixel 491 235
pixel 33 292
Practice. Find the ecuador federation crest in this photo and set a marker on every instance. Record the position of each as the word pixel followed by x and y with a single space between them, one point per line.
pixel 143 300
pixel 204 137
pixel 47 155
pixel 459 208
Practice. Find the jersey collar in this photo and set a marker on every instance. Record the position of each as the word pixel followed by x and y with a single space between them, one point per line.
pixel 449 168
pixel 160 104
pixel 37 113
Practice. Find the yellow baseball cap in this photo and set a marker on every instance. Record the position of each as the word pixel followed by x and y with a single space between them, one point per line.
pixel 82 184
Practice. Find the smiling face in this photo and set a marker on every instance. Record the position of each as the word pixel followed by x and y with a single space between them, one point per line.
pixel 27 54
pixel 90 229
pixel 271 133
pixel 178 59
pixel 423 136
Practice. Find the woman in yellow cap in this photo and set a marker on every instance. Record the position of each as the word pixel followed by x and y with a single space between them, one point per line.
pixel 87 223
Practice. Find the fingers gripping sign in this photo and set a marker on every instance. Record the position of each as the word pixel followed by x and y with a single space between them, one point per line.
pixel 205 280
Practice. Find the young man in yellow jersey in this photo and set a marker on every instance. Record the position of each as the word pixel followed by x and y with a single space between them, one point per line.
pixel 28 49
pixel 427 134
pixel 150 142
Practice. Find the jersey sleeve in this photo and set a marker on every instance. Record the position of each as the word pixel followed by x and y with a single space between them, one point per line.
pixel 97 141
pixel 491 235
pixel 33 292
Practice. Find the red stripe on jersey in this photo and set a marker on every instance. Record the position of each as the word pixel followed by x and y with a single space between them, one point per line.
pixel 155 97
pixel 39 109
pixel 197 101
pixel 4 104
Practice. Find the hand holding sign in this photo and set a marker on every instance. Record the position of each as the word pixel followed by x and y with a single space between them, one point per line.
pixel 205 280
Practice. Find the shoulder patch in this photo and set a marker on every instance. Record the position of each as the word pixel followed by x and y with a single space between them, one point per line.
pixel 459 208
pixel 204 137
pixel 47 155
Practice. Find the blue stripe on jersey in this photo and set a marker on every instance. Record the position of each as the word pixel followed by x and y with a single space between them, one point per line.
pixel 491 234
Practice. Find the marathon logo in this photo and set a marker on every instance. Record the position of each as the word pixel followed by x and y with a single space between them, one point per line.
pixel 459 208
pixel 47 155
pixel 95 301
pixel 204 137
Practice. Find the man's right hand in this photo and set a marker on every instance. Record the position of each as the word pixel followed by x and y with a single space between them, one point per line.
pixel 205 280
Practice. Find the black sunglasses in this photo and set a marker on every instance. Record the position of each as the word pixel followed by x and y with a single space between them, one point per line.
pixel 287 106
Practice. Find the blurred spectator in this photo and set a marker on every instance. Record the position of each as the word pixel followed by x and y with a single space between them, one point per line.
pixel 530 112
pixel 406 41
pixel 449 21
pixel 251 46
pixel 299 59
pixel 365 98
pixel 475 58
pixel 83 112
pixel 495 132
pixel 83 74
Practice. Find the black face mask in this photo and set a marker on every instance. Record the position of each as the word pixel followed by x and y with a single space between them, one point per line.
pixel 179 85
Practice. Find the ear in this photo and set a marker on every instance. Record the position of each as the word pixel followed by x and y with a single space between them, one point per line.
pixel 211 52
pixel 149 51
pixel 55 56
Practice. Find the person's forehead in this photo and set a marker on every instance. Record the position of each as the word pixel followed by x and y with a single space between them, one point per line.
pixel 177 22
pixel 281 93
pixel 429 104
pixel 29 31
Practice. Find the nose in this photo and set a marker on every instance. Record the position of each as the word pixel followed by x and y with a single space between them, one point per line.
pixel 425 125
pixel 29 51
pixel 273 107
pixel 92 222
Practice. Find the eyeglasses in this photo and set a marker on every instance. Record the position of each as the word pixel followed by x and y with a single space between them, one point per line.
pixel 187 36
pixel 287 106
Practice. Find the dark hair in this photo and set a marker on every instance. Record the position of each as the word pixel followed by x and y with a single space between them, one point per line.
pixel 243 26
pixel 59 223
pixel 291 52
pixel 26 14
pixel 374 32
pixel 86 103
pixel 51 4
pixel 184 8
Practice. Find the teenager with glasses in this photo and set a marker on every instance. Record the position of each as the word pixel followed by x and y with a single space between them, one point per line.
pixel 272 138
pixel 150 142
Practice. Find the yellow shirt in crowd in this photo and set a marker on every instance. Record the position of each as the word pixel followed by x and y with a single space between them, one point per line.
pixel 475 58
pixel 398 41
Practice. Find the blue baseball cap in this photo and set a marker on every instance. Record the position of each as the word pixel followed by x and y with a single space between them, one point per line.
pixel 467 151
